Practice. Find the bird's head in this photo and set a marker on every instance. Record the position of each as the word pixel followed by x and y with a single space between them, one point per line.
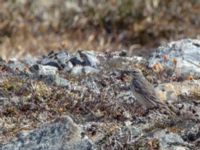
pixel 134 72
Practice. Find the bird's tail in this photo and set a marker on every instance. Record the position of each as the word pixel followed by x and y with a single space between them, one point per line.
pixel 168 110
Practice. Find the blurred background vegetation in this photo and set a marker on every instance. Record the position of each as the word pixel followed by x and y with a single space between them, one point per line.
pixel 35 26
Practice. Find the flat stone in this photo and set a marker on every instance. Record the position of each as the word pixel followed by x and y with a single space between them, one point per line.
pixel 68 67
pixel 77 70
pixel 17 66
pixel 59 81
pixel 55 59
pixel 90 70
pixel 89 58
pixel 85 58
pixel 170 141
pixel 63 134
pixel 43 70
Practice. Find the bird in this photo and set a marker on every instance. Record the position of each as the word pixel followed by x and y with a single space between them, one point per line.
pixel 144 92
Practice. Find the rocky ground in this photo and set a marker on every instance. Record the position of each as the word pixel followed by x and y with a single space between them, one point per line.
pixel 83 101
pixel 34 27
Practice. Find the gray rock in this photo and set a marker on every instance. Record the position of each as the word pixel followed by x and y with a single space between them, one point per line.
pixel 50 62
pixel 59 81
pixel 85 58
pixel 170 141
pixel 54 80
pixel 90 58
pixel 90 70
pixel 92 84
pixel 77 70
pixel 62 134
pixel 1 60
pixel 82 62
pixel 187 54
pixel 29 60
pixel 17 66
pixel 76 60
pixel 43 70
pixel 63 57
pixel 192 134
pixel 68 66
pixel 56 59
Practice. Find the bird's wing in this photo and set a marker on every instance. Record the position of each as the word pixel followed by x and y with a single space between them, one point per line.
pixel 147 91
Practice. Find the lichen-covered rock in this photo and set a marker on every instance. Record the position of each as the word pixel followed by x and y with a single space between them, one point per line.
pixel 181 58
pixel 77 64
pixel 77 70
pixel 85 58
pixel 55 59
pixel 90 70
pixel 17 67
pixel 63 133
pixel 41 70
pixel 174 90
pixel 192 134
pixel 171 141
pixel 59 81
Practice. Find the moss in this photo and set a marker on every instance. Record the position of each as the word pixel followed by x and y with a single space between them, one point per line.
pixel 40 89
pixel 11 84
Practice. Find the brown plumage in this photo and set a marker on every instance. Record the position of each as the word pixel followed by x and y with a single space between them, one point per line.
pixel 144 92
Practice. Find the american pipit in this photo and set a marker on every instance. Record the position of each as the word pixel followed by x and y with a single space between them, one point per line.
pixel 144 92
